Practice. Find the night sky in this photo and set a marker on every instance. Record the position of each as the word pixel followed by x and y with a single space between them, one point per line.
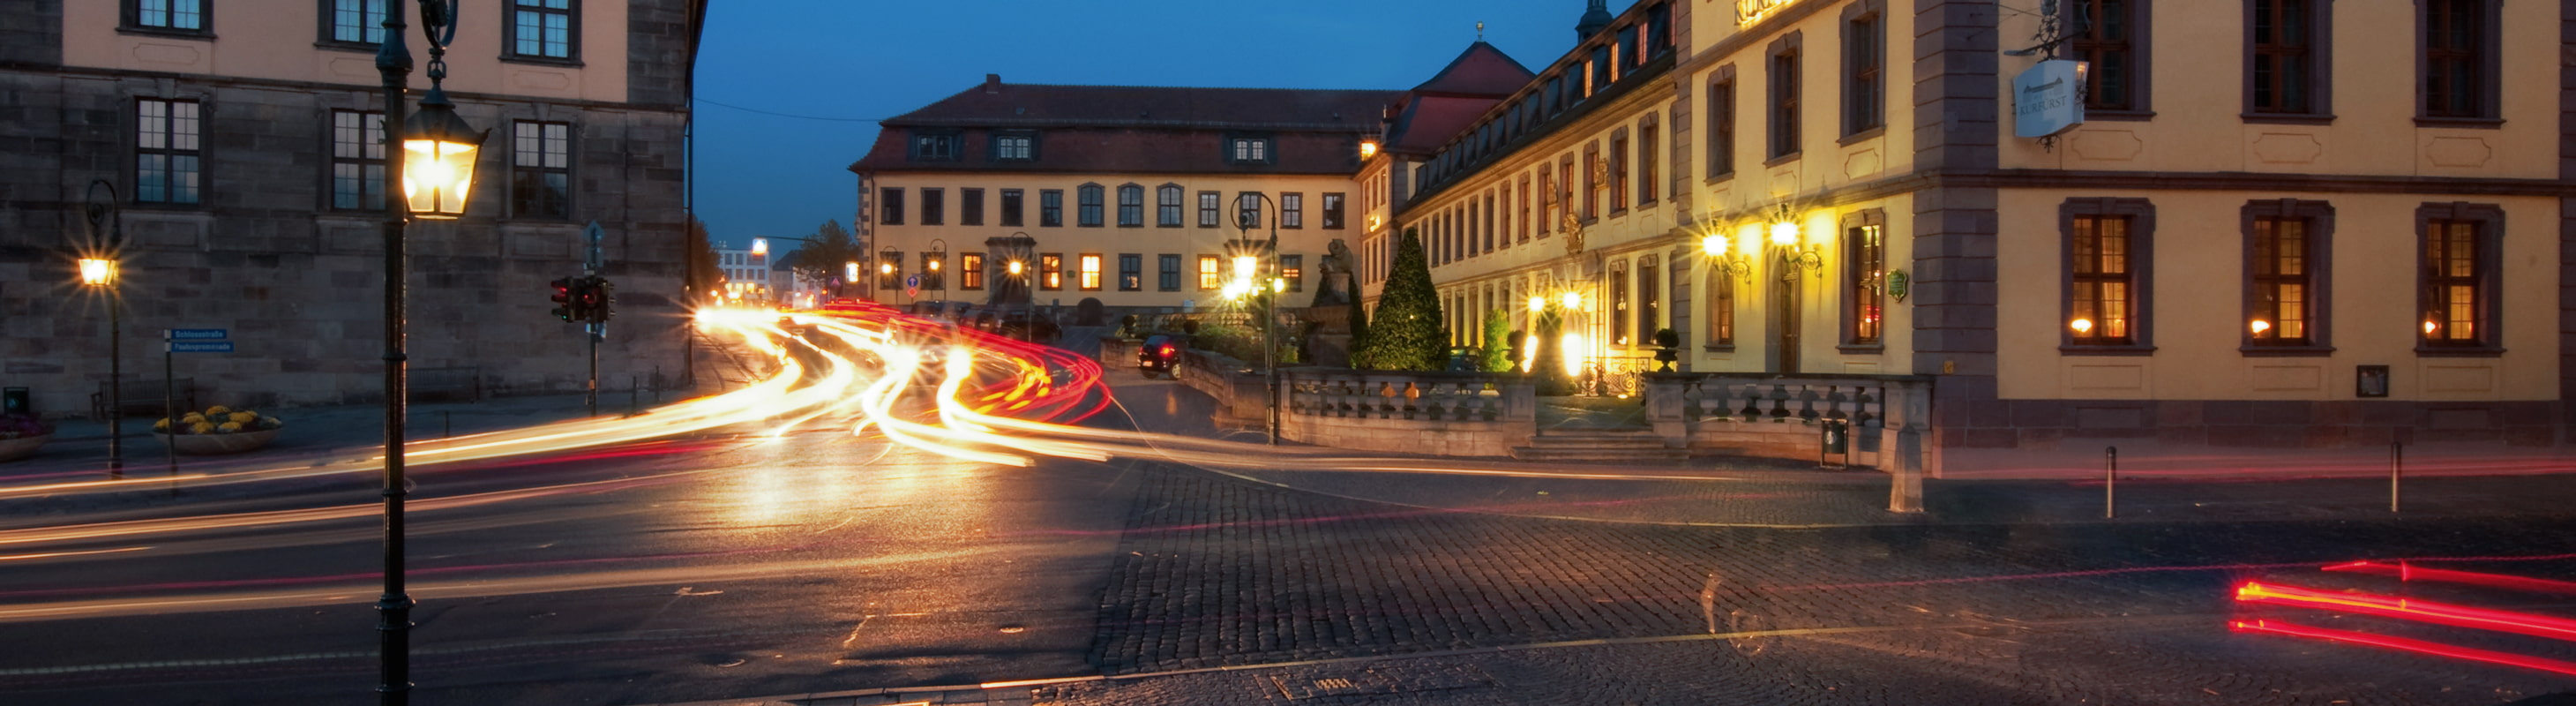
pixel 858 60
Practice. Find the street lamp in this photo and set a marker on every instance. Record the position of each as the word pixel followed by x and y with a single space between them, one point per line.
pixel 101 273
pixel 1245 266
pixel 435 186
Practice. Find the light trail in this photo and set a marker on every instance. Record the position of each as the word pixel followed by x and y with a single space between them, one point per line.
pixel 2531 624
pixel 2404 644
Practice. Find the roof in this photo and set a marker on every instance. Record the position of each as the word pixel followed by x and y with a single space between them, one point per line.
pixel 997 104
pixel 1429 115
pixel 1172 130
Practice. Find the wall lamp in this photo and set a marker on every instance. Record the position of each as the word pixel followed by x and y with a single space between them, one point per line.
pixel 1796 253
pixel 1723 255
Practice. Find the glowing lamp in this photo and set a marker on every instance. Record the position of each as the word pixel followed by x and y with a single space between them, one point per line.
pixel 1784 233
pixel 1368 148
pixel 1014 267
pixel 1573 363
pixel 2429 326
pixel 2260 326
pixel 1573 301
pixel 850 270
pixel 760 246
pixel 1713 244
pixel 1245 265
pixel 2083 327
pixel 97 271
pixel 885 268
pixel 934 265
pixel 1538 303
pixel 439 151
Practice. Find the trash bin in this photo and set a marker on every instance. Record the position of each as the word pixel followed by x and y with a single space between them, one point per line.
pixel 16 400
pixel 1837 441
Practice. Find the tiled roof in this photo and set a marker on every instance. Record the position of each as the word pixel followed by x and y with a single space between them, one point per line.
pixel 1481 70
pixel 1426 117
pixel 1137 129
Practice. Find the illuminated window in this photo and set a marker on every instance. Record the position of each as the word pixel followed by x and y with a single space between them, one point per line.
pixel 1089 272
pixel 1209 276
pixel 1293 269
pixel 1865 273
pixel 1051 271
pixel 2287 243
pixel 2458 277
pixel 970 271
pixel 2108 252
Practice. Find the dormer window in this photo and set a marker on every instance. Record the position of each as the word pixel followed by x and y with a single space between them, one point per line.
pixel 1015 147
pixel 1249 150
pixel 939 147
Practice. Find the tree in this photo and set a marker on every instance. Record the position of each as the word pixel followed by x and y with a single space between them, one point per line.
pixel 1549 363
pixel 1405 333
pixel 704 273
pixel 825 254
pixel 1497 357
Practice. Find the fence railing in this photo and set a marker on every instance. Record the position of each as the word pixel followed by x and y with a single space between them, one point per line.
pixel 1468 397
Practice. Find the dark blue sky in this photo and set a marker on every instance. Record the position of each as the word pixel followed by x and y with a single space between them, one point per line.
pixel 763 174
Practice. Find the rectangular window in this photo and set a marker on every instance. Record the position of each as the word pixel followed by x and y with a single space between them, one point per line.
pixel 1131 206
pixel 357 160
pixel 1524 201
pixel 1721 128
pixel 186 15
pixel 1051 271
pixel 1593 171
pixel 2104 292
pixel 1167 206
pixel 1721 308
pixel 1209 275
pixel 2456 66
pixel 2283 298
pixel 938 148
pixel 1784 102
pixel 1089 273
pixel 541 170
pixel 1546 202
pixel 2287 67
pixel 1619 311
pixel 1646 164
pixel 1247 210
pixel 1619 171
pixel 2457 278
pixel 1293 269
pixel 1051 208
pixel 970 271
pixel 1012 203
pixel 1864 80
pixel 541 29
pixel 890 206
pixel 1209 204
pixel 2106 38
pixel 1649 303
pixel 1131 272
pixel 1167 272
pixel 1091 205
pixel 1866 274
pixel 934 207
pixel 1292 210
pixel 357 21
pixel 1019 148
pixel 1248 150
pixel 1332 211
pixel 970 207
pixel 168 154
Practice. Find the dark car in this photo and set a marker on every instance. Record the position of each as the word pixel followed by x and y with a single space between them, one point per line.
pixel 1158 356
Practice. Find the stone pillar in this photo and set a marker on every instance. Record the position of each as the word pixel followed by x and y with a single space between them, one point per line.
pixel 1664 408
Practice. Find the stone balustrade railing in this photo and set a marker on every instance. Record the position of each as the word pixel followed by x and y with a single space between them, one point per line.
pixel 1782 416
pixel 1443 414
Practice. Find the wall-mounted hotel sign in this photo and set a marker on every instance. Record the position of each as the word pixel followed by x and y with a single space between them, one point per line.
pixel 1751 11
pixel 2048 98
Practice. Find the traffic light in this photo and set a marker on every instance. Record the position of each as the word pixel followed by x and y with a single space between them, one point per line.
pixel 598 300
pixel 567 306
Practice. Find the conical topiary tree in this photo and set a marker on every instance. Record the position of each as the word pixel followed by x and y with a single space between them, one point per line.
pixel 1404 333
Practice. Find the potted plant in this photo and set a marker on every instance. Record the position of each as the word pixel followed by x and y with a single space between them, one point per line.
pixel 217 430
pixel 1667 349
pixel 21 435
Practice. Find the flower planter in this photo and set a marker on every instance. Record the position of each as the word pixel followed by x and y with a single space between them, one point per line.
pixel 214 444
pixel 22 447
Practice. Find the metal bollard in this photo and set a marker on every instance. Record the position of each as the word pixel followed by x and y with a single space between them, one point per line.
pixel 634 390
pixel 446 424
pixel 2110 480
pixel 2396 465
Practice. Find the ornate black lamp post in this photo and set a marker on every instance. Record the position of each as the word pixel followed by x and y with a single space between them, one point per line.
pixel 435 184
pixel 99 269
pixel 1269 299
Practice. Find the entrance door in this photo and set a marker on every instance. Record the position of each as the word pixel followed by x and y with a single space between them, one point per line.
pixel 1785 306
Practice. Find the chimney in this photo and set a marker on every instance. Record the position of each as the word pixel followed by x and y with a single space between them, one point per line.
pixel 992 83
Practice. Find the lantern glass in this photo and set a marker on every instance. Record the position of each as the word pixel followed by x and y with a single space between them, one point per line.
pixel 97 271
pixel 438 173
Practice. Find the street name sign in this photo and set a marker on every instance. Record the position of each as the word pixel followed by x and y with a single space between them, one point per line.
pixel 195 334
pixel 200 346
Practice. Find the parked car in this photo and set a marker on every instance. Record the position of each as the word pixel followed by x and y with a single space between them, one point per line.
pixel 1158 356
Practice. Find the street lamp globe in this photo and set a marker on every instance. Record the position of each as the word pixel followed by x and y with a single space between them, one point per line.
pixel 97 272
pixel 438 167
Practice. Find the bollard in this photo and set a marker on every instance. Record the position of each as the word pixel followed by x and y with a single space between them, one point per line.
pixel 2110 480
pixel 2396 465
pixel 634 384
pixel 446 424
pixel 657 384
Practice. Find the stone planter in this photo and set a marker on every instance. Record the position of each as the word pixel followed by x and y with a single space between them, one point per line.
pixel 215 444
pixel 22 447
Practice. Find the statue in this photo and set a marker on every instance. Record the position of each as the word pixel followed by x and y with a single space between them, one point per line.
pixel 1335 286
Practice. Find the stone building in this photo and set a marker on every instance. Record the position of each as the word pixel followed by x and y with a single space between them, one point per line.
pixel 239 139
pixel 2277 226
pixel 1105 198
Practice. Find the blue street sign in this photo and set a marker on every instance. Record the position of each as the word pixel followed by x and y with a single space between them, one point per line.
pixel 194 334
pixel 912 282
pixel 200 346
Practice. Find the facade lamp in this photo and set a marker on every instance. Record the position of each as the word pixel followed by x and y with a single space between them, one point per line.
pixel 1722 254
pixel 1368 149
pixel 1014 267
pixel 1537 303
pixel 1796 253
pixel 97 272
pixel 440 151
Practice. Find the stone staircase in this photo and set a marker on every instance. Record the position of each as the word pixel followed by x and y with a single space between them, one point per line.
pixel 1585 444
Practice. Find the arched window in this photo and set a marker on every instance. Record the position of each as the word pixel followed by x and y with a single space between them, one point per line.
pixel 1131 206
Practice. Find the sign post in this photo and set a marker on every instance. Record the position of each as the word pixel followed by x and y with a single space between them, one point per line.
pixel 174 342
